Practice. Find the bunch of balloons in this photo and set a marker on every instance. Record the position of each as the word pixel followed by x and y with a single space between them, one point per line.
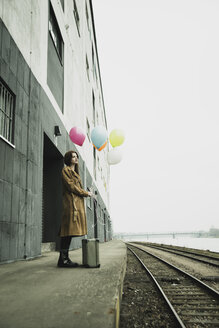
pixel 99 140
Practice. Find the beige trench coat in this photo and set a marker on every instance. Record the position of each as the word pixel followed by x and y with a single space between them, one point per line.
pixel 74 222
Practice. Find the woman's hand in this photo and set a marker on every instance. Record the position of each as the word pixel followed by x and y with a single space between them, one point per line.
pixel 90 194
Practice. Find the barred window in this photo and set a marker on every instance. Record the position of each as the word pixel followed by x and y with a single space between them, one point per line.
pixel 6 113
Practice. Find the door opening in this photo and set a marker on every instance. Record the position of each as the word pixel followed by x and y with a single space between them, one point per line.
pixel 95 219
pixel 52 192
pixel 105 228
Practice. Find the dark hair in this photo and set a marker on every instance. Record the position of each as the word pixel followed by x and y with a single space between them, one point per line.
pixel 68 157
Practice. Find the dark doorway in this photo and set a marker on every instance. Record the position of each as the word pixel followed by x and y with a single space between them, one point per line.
pixel 52 192
pixel 95 219
pixel 105 228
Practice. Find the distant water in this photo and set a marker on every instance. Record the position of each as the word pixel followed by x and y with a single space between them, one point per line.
pixel 211 244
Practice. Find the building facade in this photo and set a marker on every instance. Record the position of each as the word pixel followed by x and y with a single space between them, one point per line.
pixel 49 82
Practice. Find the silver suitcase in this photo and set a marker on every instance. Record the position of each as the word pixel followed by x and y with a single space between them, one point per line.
pixel 90 253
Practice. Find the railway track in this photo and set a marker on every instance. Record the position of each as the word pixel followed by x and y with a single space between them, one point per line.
pixel 192 303
pixel 207 259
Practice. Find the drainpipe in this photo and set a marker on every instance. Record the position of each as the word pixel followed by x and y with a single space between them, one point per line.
pixel 28 135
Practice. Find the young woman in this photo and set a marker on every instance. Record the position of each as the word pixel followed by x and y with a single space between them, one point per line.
pixel 74 222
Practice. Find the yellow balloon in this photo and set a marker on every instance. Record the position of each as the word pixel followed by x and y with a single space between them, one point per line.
pixel 116 137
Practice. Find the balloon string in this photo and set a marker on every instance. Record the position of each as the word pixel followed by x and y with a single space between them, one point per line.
pixel 98 220
pixel 103 224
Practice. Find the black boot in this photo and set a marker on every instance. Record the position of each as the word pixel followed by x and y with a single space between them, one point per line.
pixel 64 261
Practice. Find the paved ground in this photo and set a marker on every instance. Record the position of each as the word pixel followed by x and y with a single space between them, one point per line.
pixel 39 294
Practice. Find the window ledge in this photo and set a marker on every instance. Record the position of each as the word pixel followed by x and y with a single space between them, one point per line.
pixel 8 142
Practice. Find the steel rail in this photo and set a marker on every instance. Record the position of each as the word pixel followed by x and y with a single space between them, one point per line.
pixel 190 251
pixel 179 252
pixel 208 288
pixel 181 324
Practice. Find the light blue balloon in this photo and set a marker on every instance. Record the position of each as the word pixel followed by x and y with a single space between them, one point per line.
pixel 98 136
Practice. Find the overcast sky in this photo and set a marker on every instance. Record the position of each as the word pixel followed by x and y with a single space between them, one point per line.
pixel 159 62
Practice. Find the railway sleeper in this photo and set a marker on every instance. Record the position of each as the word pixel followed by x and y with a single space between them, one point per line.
pixel 185 313
pixel 210 278
pixel 202 322
pixel 192 302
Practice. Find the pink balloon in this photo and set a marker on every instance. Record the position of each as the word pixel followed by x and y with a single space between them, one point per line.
pixel 77 136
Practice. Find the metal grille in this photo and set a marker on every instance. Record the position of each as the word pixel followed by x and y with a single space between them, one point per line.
pixel 6 113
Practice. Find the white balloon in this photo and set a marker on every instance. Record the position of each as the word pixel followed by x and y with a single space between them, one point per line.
pixel 114 156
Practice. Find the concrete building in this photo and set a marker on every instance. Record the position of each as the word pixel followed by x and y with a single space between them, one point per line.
pixel 49 82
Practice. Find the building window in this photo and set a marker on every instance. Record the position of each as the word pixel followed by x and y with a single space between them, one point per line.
pixel 76 15
pixel 97 119
pixel 100 101
pixel 95 74
pixel 93 62
pixel 94 110
pixel 62 4
pixel 87 16
pixel 95 163
pixel 98 163
pixel 88 129
pixel 55 34
pixel 94 65
pixel 87 68
pixel 7 101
